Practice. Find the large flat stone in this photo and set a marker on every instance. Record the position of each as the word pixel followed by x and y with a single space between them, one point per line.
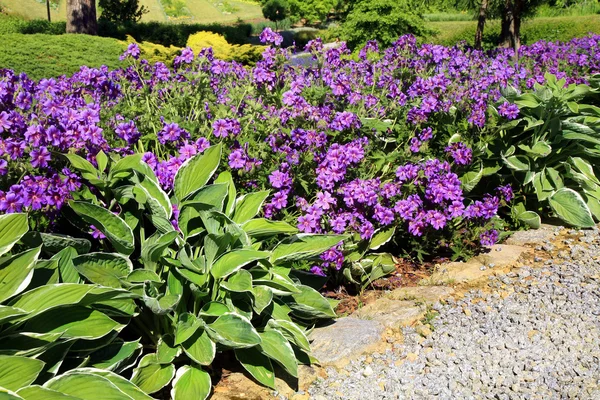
pixel 346 338
pixel 394 314
pixel 532 237
pixel 427 294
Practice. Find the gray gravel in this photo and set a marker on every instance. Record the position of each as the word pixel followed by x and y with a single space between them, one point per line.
pixel 540 341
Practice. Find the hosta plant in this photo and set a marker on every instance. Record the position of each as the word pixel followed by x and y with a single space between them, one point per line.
pixel 549 149
pixel 208 275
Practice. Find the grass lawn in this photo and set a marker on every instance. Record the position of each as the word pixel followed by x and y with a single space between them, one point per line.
pixel 43 56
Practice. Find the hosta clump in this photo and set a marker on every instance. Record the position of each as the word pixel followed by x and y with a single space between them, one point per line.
pixel 548 145
pixel 208 275
pixel 51 322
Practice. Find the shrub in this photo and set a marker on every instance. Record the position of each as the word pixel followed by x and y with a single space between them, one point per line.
pixel 155 52
pixel 245 54
pixel 121 10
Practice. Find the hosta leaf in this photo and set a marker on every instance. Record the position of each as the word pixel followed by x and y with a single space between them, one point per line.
pixel 47 297
pixel 12 228
pixel 155 245
pixel 240 281
pixel 257 364
pixel 166 351
pixel 142 275
pixel 527 100
pixel 36 392
pixel 248 206
pixel 594 206
pixel 17 372
pixel 530 218
pixel 191 383
pixel 68 273
pixel 214 309
pixel 162 305
pixel 86 386
pixel 381 237
pixel 74 322
pixel 470 179
pixel 116 355
pixel 310 302
pixel 211 195
pixel 580 136
pixel 106 269
pixel 230 262
pixel 9 313
pixel 541 149
pixel 292 332
pixel 200 348
pixel 259 227
pixel 187 325
pixel 225 177
pixel 196 172
pixel 571 208
pixel 161 205
pixel 113 227
pixel 517 163
pixel 151 376
pixel 16 272
pixel 275 346
pixel 87 170
pixel 123 384
pixel 125 165
pixel 233 330
pixel 263 296
pixel 585 168
pixel 303 246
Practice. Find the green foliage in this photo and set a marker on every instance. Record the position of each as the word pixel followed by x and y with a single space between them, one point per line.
pixel 43 56
pixel 381 20
pixel 215 284
pixel 175 8
pixel 311 10
pixel 121 10
pixel 550 151
pixel 275 10
pixel 245 54
pixel 12 24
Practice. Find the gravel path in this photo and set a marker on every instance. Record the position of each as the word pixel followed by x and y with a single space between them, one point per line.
pixel 537 336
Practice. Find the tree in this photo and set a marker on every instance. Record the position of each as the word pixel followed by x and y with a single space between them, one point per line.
pixel 311 10
pixel 122 10
pixel 381 20
pixel 481 23
pixel 275 10
pixel 81 17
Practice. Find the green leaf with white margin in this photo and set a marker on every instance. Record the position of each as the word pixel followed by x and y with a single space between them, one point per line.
pixel 471 178
pixel 10 313
pixel 225 177
pixel 530 218
pixel 87 170
pixel 155 194
pixel 68 273
pixel 232 261
pixel 249 205
pixel 74 322
pixel 196 172
pixel 151 376
pixel 106 269
pixel 265 227
pixel 17 372
pixel 166 351
pixel 154 246
pixel 240 281
pixel 12 228
pixel 310 302
pixel 86 386
pixel 102 160
pixel 116 355
pixel 36 392
pixel 381 236
pixel 162 305
pixel 191 383
pixel 126 165
pixel 291 331
pixel 112 226
pixel 571 208
pixel 210 195
pixel 527 100
pixel 123 384
pixel 47 297
pixel 594 206
pixel 302 246
pixel 517 163
pixel 187 325
pixel 275 346
pixel 16 272
pixel 585 168
pixel 263 296
pixel 257 364
pixel 200 348
pixel 233 330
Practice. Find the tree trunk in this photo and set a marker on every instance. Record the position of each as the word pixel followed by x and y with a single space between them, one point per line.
pixel 516 42
pixel 481 24
pixel 507 25
pixel 48 9
pixel 81 17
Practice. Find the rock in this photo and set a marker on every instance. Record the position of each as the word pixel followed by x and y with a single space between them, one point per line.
pixel 394 314
pixel 347 337
pixel 368 371
pixel 427 294
pixel 237 386
pixel 531 237
pixel 423 330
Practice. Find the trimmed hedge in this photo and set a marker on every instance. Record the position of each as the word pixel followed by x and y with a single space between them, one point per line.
pixel 44 56
pixel 549 29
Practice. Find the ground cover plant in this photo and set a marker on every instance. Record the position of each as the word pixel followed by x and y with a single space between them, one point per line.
pixel 207 202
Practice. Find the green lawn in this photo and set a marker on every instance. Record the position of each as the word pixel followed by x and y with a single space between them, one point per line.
pixel 43 56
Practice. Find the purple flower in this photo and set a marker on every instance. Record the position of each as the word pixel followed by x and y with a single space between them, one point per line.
pixel 461 154
pixel 508 110
pixel 128 132
pixel 317 271
pixel 3 167
pixel 40 158
pixel 307 223
pixel 488 238
pixel 267 36
pixel 133 51
pixel 280 179
pixel 237 159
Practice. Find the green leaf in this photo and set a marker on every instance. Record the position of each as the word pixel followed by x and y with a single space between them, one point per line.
pixel 86 386
pixel 47 297
pixel 530 218
pixel 162 305
pixel 225 177
pixel 257 364
pixel 265 227
pixel 156 199
pixel 381 237
pixel 275 346
pixel 106 269
pixel 263 296
pixel 113 227
pixel 151 376
pixel 517 163
pixel 594 206
pixel 571 208
pixel 240 281
pixel 200 348
pixel 302 246
pixel 87 170
pixel 102 161
pixel 125 165
pixel 35 392
pixel 68 273
pixel 470 179
pixel 311 302
pixel 233 330
pixel 155 245
pixel 12 229
pixel 166 351
pixel 141 275
pixel 248 206
pixel 196 172
pixel 214 309
pixel 585 168
pixel 232 261
pixel 9 313
pixel 74 322
pixel 211 195
pixel 191 383
pixel 541 149
pixel 123 384
pixel 115 356
pixel 17 372
pixel 580 136
pixel 527 100
pixel 16 272
pixel 292 332
pixel 187 325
